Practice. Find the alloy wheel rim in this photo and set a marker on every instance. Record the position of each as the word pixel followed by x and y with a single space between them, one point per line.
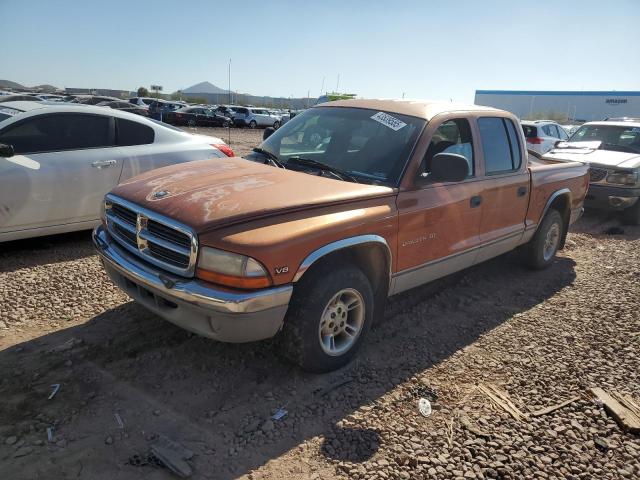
pixel 551 242
pixel 341 322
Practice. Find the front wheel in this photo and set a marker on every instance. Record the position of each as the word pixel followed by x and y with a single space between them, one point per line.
pixel 542 248
pixel 191 123
pixel 253 124
pixel 330 313
pixel 276 125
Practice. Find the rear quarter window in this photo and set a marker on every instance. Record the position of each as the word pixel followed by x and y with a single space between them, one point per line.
pixel 530 131
pixel 129 133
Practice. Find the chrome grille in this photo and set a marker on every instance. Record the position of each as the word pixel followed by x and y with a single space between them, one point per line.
pixel 597 174
pixel 153 237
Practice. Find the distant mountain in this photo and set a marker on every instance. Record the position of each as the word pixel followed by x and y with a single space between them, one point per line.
pixel 10 84
pixel 45 88
pixel 219 96
pixel 205 87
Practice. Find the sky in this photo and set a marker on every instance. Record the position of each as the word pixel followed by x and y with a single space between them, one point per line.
pixel 423 49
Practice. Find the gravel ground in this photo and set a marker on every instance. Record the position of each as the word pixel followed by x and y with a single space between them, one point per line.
pixel 543 337
pixel 241 140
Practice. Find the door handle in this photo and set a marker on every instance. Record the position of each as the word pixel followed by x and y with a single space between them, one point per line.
pixel 100 164
pixel 522 191
pixel 476 201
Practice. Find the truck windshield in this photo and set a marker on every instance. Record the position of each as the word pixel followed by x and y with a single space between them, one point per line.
pixel 369 145
pixel 613 137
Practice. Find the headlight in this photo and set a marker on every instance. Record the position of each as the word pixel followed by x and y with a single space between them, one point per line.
pixel 231 269
pixel 623 178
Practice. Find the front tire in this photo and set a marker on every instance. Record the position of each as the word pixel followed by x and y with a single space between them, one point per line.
pixel 276 125
pixel 253 124
pixel 541 249
pixel 330 313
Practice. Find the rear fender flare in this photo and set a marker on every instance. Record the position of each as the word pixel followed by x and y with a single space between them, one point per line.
pixel 563 192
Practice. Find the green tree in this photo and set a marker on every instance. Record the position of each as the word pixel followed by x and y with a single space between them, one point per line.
pixel 143 92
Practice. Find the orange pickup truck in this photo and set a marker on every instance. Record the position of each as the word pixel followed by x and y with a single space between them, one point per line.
pixel 348 203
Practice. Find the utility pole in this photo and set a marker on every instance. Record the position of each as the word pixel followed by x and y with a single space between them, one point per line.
pixel 322 88
pixel 338 84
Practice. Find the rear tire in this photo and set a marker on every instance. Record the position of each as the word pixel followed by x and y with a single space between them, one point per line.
pixel 631 215
pixel 191 123
pixel 330 313
pixel 253 124
pixel 276 125
pixel 541 249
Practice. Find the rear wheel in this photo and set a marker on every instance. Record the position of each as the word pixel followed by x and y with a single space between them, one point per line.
pixel 191 123
pixel 631 215
pixel 330 313
pixel 253 124
pixel 276 125
pixel 542 248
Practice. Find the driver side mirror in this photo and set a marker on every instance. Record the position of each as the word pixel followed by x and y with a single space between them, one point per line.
pixel 449 167
pixel 268 132
pixel 6 151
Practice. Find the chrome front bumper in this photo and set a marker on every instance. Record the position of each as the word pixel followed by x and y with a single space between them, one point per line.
pixel 226 315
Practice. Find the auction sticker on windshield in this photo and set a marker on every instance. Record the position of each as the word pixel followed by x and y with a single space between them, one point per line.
pixel 392 122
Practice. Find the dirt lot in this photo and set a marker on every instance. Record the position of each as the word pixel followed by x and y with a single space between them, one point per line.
pixel 544 337
pixel 241 140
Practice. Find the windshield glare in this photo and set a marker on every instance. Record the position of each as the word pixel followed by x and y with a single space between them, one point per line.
pixel 617 138
pixel 374 150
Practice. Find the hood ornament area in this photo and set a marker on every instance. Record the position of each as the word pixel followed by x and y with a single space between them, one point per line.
pixel 160 194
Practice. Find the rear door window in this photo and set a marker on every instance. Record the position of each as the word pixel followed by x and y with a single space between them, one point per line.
pixel 50 133
pixel 499 154
pixel 130 133
pixel 551 131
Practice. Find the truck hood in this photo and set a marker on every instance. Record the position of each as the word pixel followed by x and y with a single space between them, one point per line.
pixel 592 156
pixel 208 194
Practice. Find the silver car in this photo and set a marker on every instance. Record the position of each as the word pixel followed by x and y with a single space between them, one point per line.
pixel 57 161
pixel 254 117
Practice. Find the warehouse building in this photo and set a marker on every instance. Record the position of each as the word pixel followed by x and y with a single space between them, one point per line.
pixel 559 105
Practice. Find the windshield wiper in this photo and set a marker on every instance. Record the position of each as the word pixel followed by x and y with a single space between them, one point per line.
pixel 272 157
pixel 307 162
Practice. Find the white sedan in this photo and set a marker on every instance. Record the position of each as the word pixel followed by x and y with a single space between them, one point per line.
pixel 57 161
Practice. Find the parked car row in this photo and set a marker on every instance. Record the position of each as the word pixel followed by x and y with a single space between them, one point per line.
pixel 174 112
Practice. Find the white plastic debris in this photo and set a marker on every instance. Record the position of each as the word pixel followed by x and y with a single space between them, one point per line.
pixel 56 387
pixel 119 420
pixel 280 413
pixel 424 406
